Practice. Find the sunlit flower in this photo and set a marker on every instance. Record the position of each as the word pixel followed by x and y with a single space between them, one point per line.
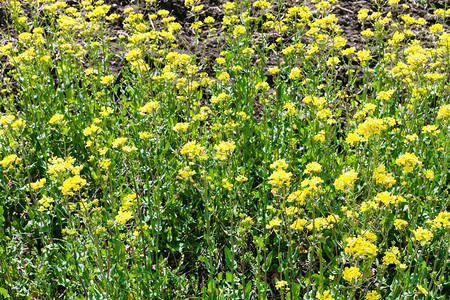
pixel 346 181
pixel 351 273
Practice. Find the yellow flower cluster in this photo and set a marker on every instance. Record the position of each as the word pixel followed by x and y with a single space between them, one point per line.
pixel 38 184
pixel 400 224
pixel 185 173
pixel 408 161
pixel 388 198
pixel 374 295
pixel 149 108
pixel 58 119
pixel 59 166
pixel 382 177
pixel 319 224
pixel 360 247
pixel 346 181
pixel 224 149
pixel 91 130
pixel 9 161
pixel 298 224
pixel 194 150
pixel 273 223
pixel 444 112
pixel 391 257
pixel 326 295
pixel 46 203
pixel 441 221
pixel 313 167
pixel 72 185
pixel 351 273
pixel 125 214
pixel 422 235
pixel 280 178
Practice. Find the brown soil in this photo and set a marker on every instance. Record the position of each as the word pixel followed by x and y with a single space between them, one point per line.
pixel 346 11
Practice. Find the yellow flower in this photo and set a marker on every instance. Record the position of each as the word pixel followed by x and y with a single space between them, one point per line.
pixel 320 137
pixel 144 134
pixel 209 20
pixel 9 160
pixel 280 284
pixel 120 141
pixel 129 149
pixel 408 161
pixel 313 167
pixel 360 247
pixel 436 28
pixel 241 178
pixel 351 273
pixel 274 222
pixel 333 61
pixel 38 184
pixel 71 185
pixel 346 181
pixel 382 177
pixel 123 217
pixel 8 119
pixel 220 60
pixel 320 223
pixel 279 165
pixel 422 235
pixel 185 173
pixel 295 73
pixel 239 30
pixel 106 80
pixel 274 70
pixel 224 76
pixel 325 296
pixel 433 129
pixel 444 112
pixel 57 119
pixel 422 290
pixel 148 108
pixel 390 257
pixel 180 127
pixel 352 138
pixel 348 51
pixel 106 111
pixel 298 224
pixel 373 295
pixel 429 174
pixel 192 149
pixel 364 56
pixel 388 198
pixel 229 5
pixel 91 130
pixel 262 4
pixel 224 149
pixel 400 224
pixel 60 165
pixel 104 164
pixel 227 185
pixel 441 221
pixel 279 178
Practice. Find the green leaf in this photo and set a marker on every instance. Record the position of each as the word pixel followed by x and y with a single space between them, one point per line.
pixel 268 262
pixel 229 277
pixel 248 288
pixel 229 259
pixel 4 292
